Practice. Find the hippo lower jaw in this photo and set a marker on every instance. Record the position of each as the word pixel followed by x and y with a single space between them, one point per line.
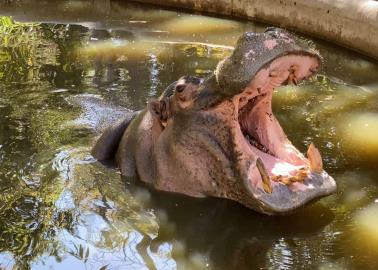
pixel 277 176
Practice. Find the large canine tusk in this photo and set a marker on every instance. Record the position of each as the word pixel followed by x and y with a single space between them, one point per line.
pixel 264 176
pixel 313 155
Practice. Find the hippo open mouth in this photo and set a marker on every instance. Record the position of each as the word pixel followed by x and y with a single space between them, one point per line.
pixel 288 179
pixel 281 160
pixel 277 177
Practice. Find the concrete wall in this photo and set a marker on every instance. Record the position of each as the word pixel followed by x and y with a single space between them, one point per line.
pixel 349 23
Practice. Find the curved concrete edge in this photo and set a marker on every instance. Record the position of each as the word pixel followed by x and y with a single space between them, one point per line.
pixel 349 23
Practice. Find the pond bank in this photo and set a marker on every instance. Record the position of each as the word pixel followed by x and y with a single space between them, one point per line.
pixel 349 23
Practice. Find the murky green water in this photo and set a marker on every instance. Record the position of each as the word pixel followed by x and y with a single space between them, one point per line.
pixel 62 74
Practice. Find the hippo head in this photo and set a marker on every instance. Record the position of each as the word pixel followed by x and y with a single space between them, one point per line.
pixel 229 144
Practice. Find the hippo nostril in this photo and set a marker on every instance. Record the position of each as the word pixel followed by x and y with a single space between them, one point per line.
pixel 272 31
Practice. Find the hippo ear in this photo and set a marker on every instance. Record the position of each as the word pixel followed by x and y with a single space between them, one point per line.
pixel 154 108
pixel 159 109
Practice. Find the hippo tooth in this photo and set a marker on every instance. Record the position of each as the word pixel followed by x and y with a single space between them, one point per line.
pixel 264 176
pixel 313 155
pixel 291 79
pixel 286 181
pixel 302 174
pixel 273 73
pixel 297 178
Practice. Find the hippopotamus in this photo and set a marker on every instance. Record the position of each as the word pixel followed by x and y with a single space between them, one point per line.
pixel 221 138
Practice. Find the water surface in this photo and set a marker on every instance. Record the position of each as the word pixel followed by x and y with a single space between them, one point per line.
pixel 65 75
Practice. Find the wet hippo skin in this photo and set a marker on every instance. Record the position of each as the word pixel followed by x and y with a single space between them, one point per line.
pixel 222 139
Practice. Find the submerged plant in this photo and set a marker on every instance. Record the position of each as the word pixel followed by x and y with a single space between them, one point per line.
pixel 29 51
pixel 19 49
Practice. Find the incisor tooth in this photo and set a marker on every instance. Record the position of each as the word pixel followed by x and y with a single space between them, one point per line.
pixel 264 176
pixel 294 80
pixel 286 181
pixel 302 174
pixel 273 73
pixel 313 155
pixel 297 178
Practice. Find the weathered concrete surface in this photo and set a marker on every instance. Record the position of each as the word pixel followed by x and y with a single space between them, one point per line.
pixel 349 23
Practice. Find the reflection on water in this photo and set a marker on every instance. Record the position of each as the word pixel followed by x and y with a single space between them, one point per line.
pixel 360 131
pixel 66 75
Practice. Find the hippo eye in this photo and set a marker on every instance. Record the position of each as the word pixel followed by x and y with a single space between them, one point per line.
pixel 180 88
